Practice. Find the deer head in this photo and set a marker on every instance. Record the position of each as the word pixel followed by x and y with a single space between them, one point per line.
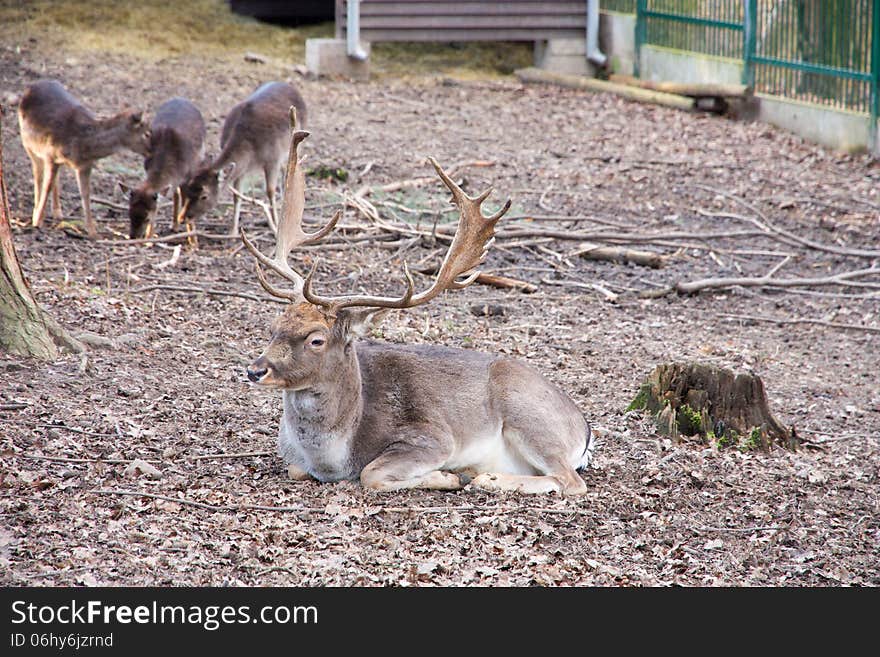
pixel 137 131
pixel 310 341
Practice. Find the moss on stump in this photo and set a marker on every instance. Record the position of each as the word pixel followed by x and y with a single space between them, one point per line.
pixel 713 403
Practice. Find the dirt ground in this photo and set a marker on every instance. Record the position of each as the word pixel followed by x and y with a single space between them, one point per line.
pixel 172 389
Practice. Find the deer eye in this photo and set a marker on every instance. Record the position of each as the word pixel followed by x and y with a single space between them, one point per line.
pixel 316 340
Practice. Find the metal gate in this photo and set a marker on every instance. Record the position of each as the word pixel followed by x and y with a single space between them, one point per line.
pixel 825 52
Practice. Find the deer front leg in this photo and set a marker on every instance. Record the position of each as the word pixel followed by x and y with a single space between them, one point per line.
pixel 83 181
pixel 297 473
pixel 271 174
pixel 236 206
pixel 413 461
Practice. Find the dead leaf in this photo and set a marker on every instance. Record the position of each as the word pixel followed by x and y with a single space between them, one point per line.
pixel 140 467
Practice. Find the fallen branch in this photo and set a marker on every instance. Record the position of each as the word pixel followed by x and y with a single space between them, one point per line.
pixel 492 280
pixel 604 291
pixel 366 190
pixel 591 84
pixel 171 238
pixel 240 455
pixel 694 90
pixel 618 254
pixel 506 283
pixel 818 322
pixel 766 225
pixel 844 278
pixel 175 256
pixel 64 459
pixel 692 287
pixel 13 407
pixel 108 203
pixel 219 293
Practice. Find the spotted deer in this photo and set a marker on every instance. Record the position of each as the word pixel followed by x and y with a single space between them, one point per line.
pixel 177 148
pixel 253 140
pixel 57 129
pixel 407 416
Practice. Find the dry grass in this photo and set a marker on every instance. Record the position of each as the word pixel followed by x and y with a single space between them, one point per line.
pixel 160 29
pixel 152 30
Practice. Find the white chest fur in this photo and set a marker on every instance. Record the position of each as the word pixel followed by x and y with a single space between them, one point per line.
pixel 304 441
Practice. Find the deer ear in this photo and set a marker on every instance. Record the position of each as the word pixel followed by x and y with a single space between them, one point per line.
pixel 226 172
pixel 354 323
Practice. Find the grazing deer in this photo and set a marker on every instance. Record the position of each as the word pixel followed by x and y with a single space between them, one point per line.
pixel 57 129
pixel 254 139
pixel 408 416
pixel 177 148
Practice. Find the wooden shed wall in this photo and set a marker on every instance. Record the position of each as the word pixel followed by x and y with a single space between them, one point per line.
pixel 442 20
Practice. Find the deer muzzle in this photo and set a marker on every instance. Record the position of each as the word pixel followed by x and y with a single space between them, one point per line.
pixel 258 370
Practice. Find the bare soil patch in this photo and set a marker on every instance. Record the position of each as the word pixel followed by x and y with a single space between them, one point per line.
pixel 172 390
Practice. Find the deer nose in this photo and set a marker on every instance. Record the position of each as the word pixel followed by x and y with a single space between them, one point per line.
pixel 255 374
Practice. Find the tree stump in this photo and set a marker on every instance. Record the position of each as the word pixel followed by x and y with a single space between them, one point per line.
pixel 713 403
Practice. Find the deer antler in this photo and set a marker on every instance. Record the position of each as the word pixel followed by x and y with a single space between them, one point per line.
pixel 290 232
pixel 473 237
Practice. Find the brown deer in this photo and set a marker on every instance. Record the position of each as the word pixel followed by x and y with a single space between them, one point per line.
pixel 177 148
pixel 253 140
pixel 408 416
pixel 57 129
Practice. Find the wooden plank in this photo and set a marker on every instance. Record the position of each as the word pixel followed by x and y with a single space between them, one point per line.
pixel 470 22
pixel 694 90
pixel 591 84
pixel 510 34
pixel 472 8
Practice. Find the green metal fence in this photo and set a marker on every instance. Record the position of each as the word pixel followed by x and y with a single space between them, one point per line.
pixel 819 51
pixel 814 51
pixel 623 6
pixel 713 27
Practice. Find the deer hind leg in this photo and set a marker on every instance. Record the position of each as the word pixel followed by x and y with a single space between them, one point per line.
pixel 542 428
pixel 566 482
pixel 413 461
pixel 57 212
pixel 83 181
pixel 47 179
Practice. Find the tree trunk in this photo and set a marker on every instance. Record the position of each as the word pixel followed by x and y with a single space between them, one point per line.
pixel 727 409
pixel 24 328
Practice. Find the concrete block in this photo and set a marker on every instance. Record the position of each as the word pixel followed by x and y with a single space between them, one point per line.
pixel 667 65
pixel 563 56
pixel 617 40
pixel 330 57
pixel 836 129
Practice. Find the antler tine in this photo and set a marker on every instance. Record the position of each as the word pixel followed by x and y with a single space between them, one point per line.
pixel 470 246
pixel 293 297
pixel 290 233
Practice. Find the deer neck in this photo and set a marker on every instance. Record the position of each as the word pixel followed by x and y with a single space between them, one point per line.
pixel 103 137
pixel 320 422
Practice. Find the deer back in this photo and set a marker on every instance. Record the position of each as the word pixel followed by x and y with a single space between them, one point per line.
pixel 254 137
pixel 177 148
pixel 56 125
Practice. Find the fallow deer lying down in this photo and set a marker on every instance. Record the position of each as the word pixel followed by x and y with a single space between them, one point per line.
pixel 408 416
pixel 58 129
pixel 254 140
pixel 177 148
